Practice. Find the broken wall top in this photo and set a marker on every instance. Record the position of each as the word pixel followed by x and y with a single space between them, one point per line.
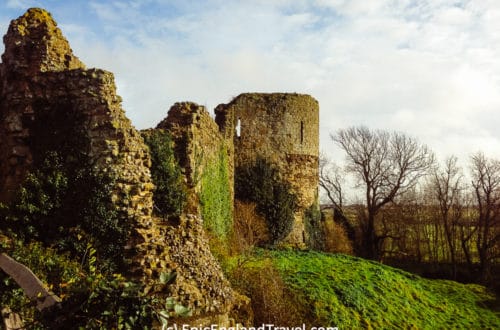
pixel 34 43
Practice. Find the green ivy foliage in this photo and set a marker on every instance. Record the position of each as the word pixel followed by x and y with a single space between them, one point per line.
pixel 55 208
pixel 314 228
pixel 63 226
pixel 170 195
pixel 91 299
pixel 48 264
pixel 103 302
pixel 65 201
pixel 215 196
pixel 261 184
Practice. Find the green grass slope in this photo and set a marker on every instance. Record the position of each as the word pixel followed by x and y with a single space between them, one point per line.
pixel 353 293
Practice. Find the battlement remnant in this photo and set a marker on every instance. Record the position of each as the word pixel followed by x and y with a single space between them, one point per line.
pixel 34 44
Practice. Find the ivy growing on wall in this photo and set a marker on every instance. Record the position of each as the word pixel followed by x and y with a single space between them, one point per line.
pixel 260 183
pixel 170 195
pixel 215 196
pixel 63 225
pixel 65 201
pixel 315 238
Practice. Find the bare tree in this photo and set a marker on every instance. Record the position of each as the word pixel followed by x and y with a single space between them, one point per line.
pixel 402 242
pixel 468 229
pixel 332 180
pixel 486 185
pixel 447 188
pixel 388 165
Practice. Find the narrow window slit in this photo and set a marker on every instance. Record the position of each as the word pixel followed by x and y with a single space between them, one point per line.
pixel 301 132
pixel 238 128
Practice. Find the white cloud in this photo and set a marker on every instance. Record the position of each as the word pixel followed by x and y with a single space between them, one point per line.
pixel 429 68
pixel 21 4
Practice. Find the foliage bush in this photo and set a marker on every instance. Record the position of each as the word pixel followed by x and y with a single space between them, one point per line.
pixel 54 269
pixel 336 236
pixel 50 266
pixel 170 195
pixel 271 301
pixel 314 228
pixel 261 184
pixel 249 229
pixel 65 201
pixel 47 264
pixel 92 297
pixel 103 302
pixel 337 240
pixel 68 211
pixel 215 196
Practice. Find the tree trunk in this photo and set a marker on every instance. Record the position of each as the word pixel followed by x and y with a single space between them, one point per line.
pixel 464 239
pixel 451 247
pixel 484 266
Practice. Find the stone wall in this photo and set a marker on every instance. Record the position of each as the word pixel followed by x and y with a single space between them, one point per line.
pixel 200 285
pixel 198 145
pixel 33 46
pixel 284 130
pixel 39 73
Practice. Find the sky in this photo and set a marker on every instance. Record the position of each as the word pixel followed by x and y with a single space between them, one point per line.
pixel 429 69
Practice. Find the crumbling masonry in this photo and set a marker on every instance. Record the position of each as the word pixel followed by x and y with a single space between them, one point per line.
pixel 39 73
pixel 281 128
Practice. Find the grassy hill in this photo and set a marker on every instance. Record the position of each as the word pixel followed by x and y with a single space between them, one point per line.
pixel 353 293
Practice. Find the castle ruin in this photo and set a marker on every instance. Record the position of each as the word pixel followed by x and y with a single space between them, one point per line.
pixel 40 74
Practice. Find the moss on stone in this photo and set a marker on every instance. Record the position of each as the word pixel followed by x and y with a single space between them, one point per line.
pixel 215 196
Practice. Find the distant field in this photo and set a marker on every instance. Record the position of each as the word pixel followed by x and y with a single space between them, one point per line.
pixel 353 293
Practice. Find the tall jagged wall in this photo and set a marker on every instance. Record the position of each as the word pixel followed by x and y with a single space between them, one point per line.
pixel 33 46
pixel 39 72
pixel 283 129
pixel 200 148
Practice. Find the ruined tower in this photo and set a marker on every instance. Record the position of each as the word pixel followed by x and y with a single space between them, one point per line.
pixel 282 129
